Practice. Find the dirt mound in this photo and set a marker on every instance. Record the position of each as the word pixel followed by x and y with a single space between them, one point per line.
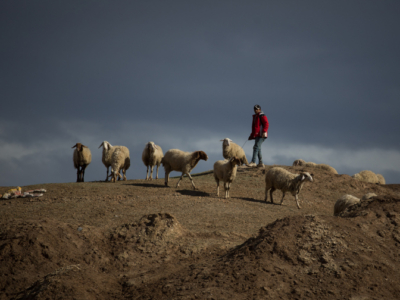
pixel 158 230
pixel 302 257
pixel 97 240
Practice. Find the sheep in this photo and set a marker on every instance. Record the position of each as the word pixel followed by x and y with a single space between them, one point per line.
pixel 300 162
pixel 120 160
pixel 381 179
pixel 348 200
pixel 177 160
pixel 281 179
pixel 366 176
pixel 225 170
pixel 230 149
pixel 82 157
pixel 344 202
pixel 368 196
pixel 106 156
pixel 326 168
pixel 108 150
pixel 151 156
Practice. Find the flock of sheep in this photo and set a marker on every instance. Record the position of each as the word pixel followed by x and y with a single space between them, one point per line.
pixel 117 157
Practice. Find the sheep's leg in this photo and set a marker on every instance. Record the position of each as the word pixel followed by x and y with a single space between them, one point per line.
pixel 83 174
pixel 283 196
pixel 270 193
pixel 228 185
pixel 147 173
pixel 266 194
pixel 107 175
pixel 151 173
pixel 191 179
pixel 124 172
pixel 77 174
pixel 179 180
pixel 166 178
pixel 217 186
pixel 297 201
pixel 157 171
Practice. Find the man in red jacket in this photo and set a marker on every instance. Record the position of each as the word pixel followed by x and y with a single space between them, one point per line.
pixel 259 133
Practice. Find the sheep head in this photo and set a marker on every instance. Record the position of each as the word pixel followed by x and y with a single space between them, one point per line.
pixel 235 161
pixel 151 146
pixel 226 142
pixel 201 155
pixel 79 147
pixel 306 176
pixel 106 145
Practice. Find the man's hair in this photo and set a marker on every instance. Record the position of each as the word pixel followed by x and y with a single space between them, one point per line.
pixel 257 106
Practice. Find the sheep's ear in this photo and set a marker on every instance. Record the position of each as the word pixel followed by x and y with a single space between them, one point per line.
pixel 100 145
pixel 74 146
pixel 303 177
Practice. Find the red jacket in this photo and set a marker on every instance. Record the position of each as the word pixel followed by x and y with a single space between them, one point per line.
pixel 259 120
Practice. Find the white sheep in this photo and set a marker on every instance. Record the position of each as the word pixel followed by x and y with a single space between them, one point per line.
pixel 151 156
pixel 298 162
pixel 344 202
pixel 281 179
pixel 348 200
pixel 366 176
pixel 82 157
pixel 106 156
pixel 177 160
pixel 302 163
pixel 120 160
pixel 225 170
pixel 108 150
pixel 230 149
pixel 381 179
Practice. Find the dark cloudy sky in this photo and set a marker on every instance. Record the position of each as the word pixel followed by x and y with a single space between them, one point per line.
pixel 186 74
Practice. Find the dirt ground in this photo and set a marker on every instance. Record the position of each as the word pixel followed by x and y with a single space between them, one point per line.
pixel 137 239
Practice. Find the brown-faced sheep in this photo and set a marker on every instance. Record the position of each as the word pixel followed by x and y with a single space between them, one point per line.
pixel 177 160
pixel 82 157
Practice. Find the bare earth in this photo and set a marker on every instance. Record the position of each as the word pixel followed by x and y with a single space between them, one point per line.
pixel 140 240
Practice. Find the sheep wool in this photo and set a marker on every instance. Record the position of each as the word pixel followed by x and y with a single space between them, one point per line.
pixel 343 203
pixel 82 157
pixel 381 179
pixel 106 155
pixel 225 170
pixel 368 196
pixel 280 179
pixel 152 156
pixel 120 160
pixel 230 149
pixel 366 176
pixel 326 168
pixel 177 160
